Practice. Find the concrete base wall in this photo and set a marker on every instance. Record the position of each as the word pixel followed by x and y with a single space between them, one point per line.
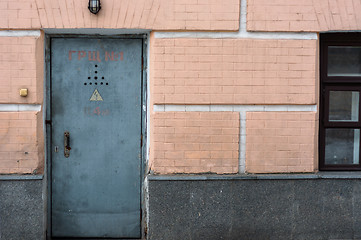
pixel 21 210
pixel 215 209
pixel 255 209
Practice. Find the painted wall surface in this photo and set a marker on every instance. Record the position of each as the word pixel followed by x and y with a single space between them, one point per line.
pixel 21 66
pixel 303 16
pixel 21 126
pixel 233 71
pixel 215 67
pixel 195 142
pixel 281 142
pixel 21 144
pixel 135 14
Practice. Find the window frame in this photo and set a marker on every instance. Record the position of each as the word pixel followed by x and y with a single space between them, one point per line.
pixel 336 83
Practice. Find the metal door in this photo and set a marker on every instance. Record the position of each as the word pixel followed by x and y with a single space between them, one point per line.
pixel 96 98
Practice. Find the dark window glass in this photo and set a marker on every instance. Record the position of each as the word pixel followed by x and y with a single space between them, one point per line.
pixel 343 106
pixel 344 61
pixel 342 146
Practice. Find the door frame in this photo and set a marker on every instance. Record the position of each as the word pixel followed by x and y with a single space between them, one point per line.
pixel 48 125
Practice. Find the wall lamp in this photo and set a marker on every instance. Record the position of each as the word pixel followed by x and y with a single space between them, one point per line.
pixel 94 6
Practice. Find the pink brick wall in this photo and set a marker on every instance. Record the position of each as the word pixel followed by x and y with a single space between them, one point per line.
pixel 281 142
pixel 19 14
pixel 194 142
pixel 21 66
pixel 21 145
pixel 262 15
pixel 233 71
pixel 143 14
pixel 306 15
pixel 187 71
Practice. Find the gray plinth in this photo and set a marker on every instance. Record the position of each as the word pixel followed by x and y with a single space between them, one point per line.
pixel 21 210
pixel 255 209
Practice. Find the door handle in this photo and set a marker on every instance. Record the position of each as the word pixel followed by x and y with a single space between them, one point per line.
pixel 66 144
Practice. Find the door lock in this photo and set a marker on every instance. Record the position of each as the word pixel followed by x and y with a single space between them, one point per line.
pixel 66 144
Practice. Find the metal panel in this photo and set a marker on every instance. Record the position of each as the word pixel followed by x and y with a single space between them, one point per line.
pixel 96 96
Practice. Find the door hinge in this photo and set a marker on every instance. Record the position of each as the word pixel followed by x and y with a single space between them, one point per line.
pixel 141 140
pixel 48 122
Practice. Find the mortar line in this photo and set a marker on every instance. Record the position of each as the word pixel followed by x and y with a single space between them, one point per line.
pixel 242 142
pixel 20 33
pixel 20 107
pixel 239 35
pixel 243 17
pixel 234 108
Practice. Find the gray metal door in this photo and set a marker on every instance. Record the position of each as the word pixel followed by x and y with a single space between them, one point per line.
pixel 96 98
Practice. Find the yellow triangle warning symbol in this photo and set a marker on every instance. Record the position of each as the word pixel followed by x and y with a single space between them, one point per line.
pixel 96 96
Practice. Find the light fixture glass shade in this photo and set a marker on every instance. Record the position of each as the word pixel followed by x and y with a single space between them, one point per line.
pixel 94 6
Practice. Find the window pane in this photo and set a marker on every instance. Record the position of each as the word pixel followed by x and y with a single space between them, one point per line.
pixel 342 146
pixel 344 61
pixel 343 106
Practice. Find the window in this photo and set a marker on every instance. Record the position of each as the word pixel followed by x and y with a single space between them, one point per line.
pixel 340 119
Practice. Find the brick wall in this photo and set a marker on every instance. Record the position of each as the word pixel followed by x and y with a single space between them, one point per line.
pixel 135 14
pixel 307 15
pixel 281 142
pixel 21 133
pixel 262 15
pixel 21 149
pixel 195 142
pixel 233 71
pixel 187 71
pixel 19 14
pixel 21 66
